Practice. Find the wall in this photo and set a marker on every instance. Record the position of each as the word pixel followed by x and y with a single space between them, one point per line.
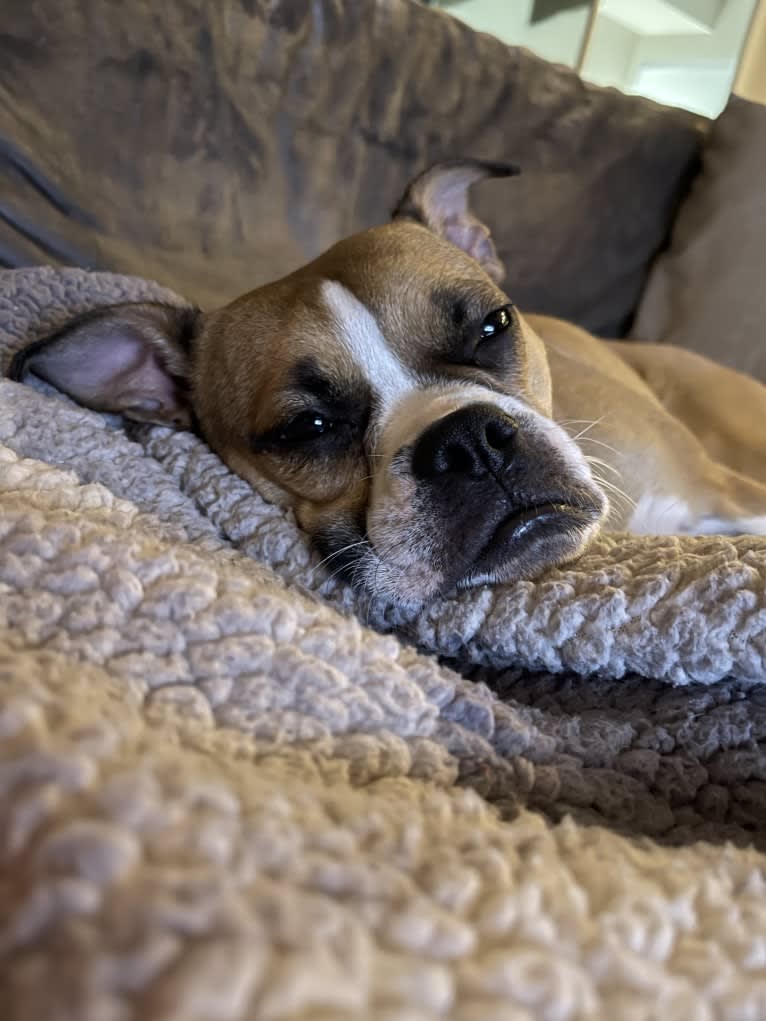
pixel 610 53
pixel 558 38
pixel 751 78
pixel 695 71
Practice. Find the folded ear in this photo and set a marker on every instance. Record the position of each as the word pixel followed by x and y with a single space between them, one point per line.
pixel 132 359
pixel 438 199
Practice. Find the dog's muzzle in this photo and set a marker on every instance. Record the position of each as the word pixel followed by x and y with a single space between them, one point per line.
pixel 497 492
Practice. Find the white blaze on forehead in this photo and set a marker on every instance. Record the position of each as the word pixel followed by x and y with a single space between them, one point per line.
pixel 361 336
pixel 417 405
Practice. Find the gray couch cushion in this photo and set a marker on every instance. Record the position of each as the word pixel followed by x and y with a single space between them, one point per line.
pixel 707 291
pixel 216 146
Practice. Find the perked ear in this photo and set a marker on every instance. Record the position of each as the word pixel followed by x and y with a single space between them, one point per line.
pixel 131 359
pixel 438 199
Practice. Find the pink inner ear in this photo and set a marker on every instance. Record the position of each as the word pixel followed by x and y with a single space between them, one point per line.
pixel 145 385
pixel 472 236
pixel 100 363
pixel 109 366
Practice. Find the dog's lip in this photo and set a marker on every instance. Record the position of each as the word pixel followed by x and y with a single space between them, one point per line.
pixel 524 528
pixel 522 520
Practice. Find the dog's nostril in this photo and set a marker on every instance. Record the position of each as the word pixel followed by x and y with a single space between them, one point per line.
pixel 471 442
pixel 499 434
pixel 455 458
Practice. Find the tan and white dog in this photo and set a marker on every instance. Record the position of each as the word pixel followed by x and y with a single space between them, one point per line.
pixel 419 425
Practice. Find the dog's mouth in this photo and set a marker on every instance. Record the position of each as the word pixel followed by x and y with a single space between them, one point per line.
pixel 533 537
pixel 524 542
pixel 536 522
pixel 548 515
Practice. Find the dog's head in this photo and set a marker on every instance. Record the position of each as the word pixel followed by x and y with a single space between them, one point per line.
pixel 389 392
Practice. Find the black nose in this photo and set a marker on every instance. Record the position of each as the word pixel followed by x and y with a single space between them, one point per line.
pixel 477 440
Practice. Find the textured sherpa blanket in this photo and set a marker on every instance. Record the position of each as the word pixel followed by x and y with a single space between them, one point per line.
pixel 225 798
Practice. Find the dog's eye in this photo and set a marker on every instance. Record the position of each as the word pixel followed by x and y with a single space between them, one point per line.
pixel 307 432
pixel 496 322
pixel 304 428
pixel 489 346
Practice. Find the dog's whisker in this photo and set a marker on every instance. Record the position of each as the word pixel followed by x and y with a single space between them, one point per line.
pixel 337 553
pixel 588 428
pixel 338 572
pixel 606 482
pixel 603 464
pixel 592 439
pixel 612 488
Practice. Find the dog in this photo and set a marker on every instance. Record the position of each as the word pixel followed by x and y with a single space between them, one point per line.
pixel 427 435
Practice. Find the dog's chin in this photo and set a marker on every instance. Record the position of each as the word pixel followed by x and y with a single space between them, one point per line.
pixel 532 540
pixel 524 545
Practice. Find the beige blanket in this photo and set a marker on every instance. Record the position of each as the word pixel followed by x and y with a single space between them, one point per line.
pixel 225 798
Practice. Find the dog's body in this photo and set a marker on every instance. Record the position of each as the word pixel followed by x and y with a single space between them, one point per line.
pixel 419 426
pixel 681 436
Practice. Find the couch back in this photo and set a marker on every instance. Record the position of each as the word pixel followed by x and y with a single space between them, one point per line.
pixel 215 146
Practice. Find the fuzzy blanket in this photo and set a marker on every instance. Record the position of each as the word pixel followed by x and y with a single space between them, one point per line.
pixel 224 798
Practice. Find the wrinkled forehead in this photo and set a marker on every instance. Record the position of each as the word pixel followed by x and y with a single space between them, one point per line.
pixel 375 311
pixel 416 286
pixel 399 286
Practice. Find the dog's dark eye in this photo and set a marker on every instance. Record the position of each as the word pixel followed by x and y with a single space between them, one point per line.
pixel 496 322
pixel 489 346
pixel 304 428
pixel 309 433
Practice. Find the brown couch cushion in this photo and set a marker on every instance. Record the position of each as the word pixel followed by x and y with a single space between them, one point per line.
pixel 708 291
pixel 215 146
